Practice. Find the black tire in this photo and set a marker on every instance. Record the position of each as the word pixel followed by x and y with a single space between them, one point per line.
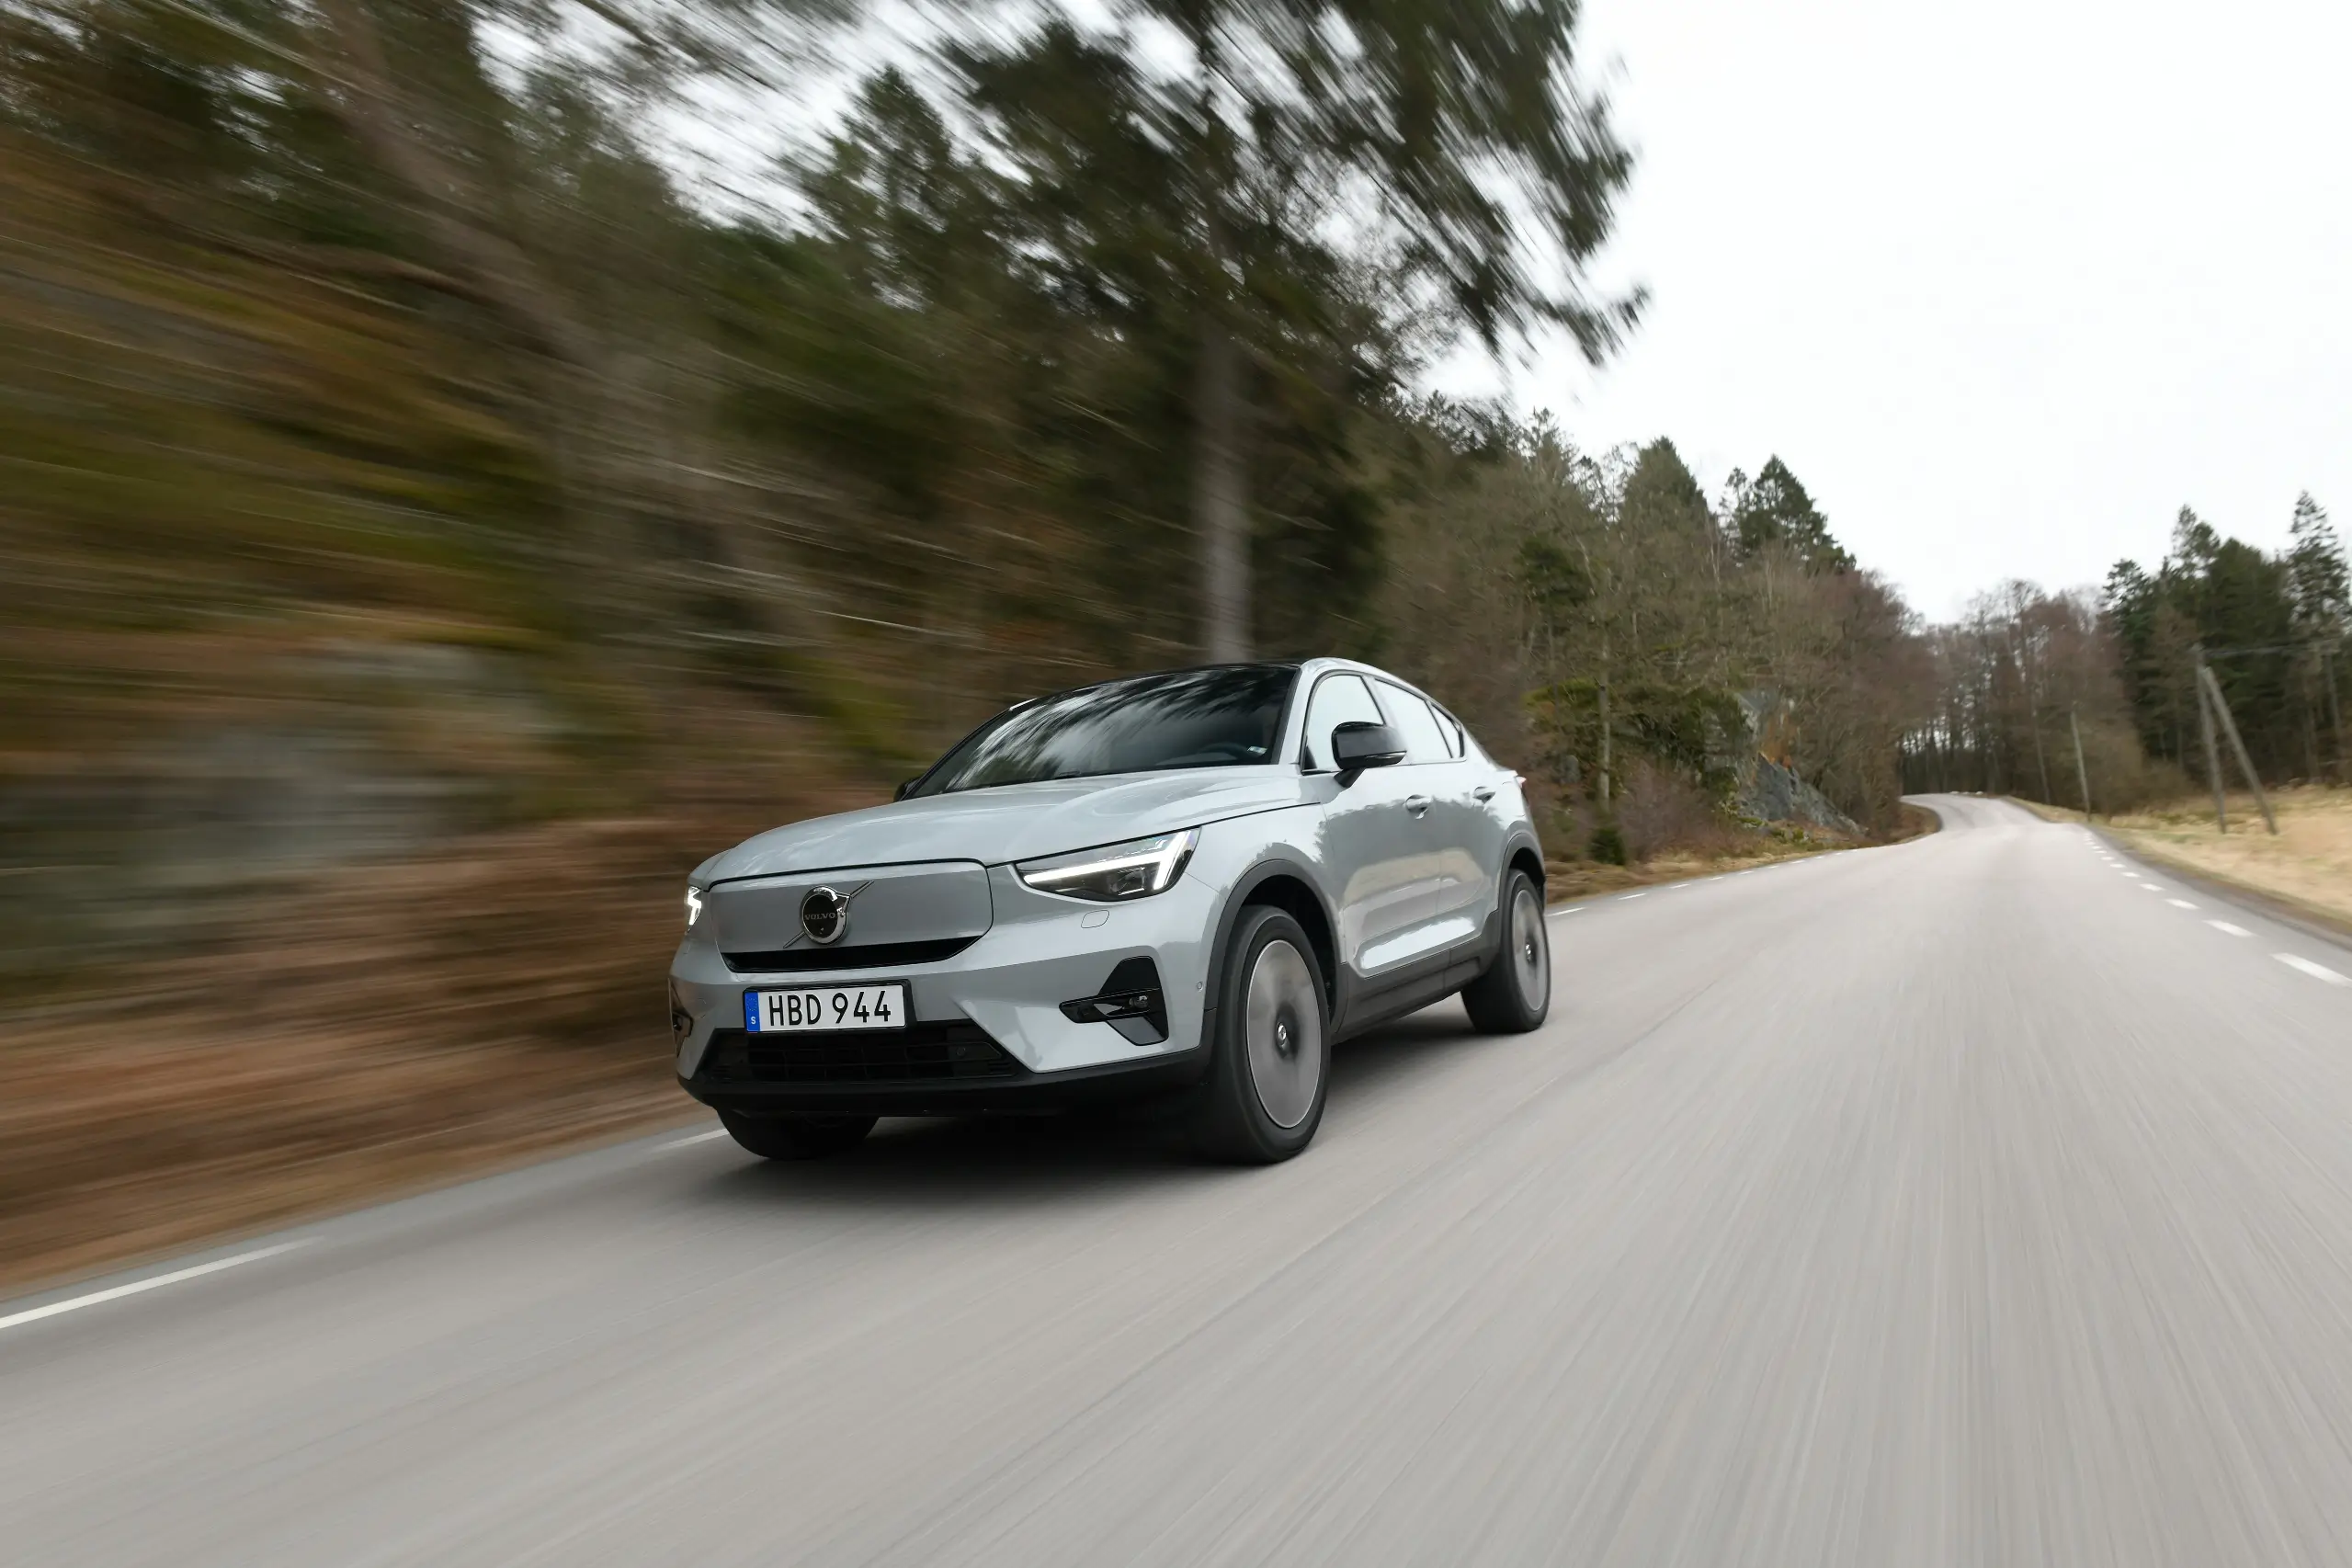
pixel 796 1137
pixel 1271 1062
pixel 1515 994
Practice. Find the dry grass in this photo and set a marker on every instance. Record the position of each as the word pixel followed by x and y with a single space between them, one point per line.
pixel 1712 851
pixel 2307 866
pixel 1566 880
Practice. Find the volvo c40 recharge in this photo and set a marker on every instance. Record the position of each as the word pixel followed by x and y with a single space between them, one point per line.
pixel 1191 882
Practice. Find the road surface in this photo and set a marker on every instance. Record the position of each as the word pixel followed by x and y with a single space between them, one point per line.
pixel 1972 1200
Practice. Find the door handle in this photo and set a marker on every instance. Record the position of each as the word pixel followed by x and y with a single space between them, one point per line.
pixel 1416 804
pixel 1482 792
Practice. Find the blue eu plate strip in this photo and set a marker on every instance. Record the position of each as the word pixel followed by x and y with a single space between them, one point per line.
pixel 751 1010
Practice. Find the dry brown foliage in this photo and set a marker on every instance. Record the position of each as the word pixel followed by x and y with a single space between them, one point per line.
pixel 385 1026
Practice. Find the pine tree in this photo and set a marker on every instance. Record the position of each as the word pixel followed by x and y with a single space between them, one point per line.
pixel 1202 186
pixel 2315 571
pixel 1774 508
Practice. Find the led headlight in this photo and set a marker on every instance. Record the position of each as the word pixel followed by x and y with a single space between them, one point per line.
pixel 1116 872
pixel 693 906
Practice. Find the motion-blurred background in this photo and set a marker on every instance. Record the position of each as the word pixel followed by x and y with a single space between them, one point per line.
pixel 461 462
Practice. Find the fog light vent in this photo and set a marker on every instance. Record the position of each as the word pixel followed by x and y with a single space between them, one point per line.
pixel 1130 1002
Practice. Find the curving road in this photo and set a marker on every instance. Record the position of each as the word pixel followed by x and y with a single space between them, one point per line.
pixel 1967 1201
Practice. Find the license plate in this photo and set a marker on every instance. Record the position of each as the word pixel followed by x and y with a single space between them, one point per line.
pixel 827 1008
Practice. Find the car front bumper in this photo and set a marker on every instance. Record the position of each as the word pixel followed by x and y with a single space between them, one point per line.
pixel 989 1033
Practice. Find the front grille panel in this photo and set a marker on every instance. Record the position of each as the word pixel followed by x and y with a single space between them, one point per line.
pixel 873 954
pixel 924 1052
pixel 888 906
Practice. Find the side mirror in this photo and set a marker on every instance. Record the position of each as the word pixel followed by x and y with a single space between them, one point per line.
pixel 1358 746
pixel 904 786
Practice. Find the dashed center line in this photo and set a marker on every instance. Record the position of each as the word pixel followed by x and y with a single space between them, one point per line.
pixel 2180 903
pixel 1622 897
pixel 696 1138
pixel 1572 909
pixel 2316 971
pixel 2228 930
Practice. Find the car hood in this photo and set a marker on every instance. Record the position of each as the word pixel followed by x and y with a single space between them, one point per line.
pixel 1012 822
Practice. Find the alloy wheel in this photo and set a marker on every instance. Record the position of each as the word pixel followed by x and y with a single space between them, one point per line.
pixel 1530 949
pixel 1283 1026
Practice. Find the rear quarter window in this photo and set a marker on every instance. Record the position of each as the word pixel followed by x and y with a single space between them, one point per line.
pixel 1424 740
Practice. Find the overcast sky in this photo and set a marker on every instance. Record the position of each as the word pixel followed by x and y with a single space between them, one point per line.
pixel 2006 284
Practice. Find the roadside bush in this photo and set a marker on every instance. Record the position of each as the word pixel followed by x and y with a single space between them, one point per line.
pixel 1662 809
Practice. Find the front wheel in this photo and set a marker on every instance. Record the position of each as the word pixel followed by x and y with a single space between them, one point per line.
pixel 1264 1096
pixel 796 1137
pixel 1515 994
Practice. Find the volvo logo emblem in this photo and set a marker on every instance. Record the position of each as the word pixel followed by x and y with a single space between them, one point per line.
pixel 824 914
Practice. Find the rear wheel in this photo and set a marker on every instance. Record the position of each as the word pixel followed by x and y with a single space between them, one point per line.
pixel 1264 1096
pixel 1515 994
pixel 796 1137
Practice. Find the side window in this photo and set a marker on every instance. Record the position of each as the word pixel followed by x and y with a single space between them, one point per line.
pixel 1424 740
pixel 1457 745
pixel 1338 700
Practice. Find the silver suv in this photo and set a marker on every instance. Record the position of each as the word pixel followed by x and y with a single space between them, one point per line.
pixel 1194 882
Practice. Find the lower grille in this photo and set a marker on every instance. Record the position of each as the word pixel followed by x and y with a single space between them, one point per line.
pixel 923 1052
pixel 872 954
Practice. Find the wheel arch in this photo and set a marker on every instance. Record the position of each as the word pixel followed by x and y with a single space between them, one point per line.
pixel 1276 882
pixel 1288 892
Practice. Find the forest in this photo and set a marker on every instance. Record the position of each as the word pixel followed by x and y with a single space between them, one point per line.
pixel 408 440
pixel 2027 670
pixel 417 445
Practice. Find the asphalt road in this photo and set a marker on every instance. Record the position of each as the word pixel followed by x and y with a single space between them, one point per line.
pixel 1966 1201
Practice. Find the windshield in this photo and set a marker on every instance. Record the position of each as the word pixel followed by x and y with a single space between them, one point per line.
pixel 1227 717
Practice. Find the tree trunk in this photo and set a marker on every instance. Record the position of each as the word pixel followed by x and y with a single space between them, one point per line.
pixel 2335 719
pixel 1220 497
pixel 1605 746
pixel 369 105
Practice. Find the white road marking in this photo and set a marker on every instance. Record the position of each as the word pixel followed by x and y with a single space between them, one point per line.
pixel 2150 887
pixel 2180 903
pixel 1622 897
pixel 2316 971
pixel 1572 909
pixel 35 1315
pixel 2227 929
pixel 682 1143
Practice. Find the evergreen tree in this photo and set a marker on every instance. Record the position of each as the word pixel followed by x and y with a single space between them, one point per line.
pixel 1775 509
pixel 2315 571
pixel 1662 496
pixel 1206 184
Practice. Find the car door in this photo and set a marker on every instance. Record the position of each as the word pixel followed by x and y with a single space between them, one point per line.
pixel 1375 846
pixel 1463 827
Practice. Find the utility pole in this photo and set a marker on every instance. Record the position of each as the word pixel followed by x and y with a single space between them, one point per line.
pixel 2212 752
pixel 2237 745
pixel 2082 774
